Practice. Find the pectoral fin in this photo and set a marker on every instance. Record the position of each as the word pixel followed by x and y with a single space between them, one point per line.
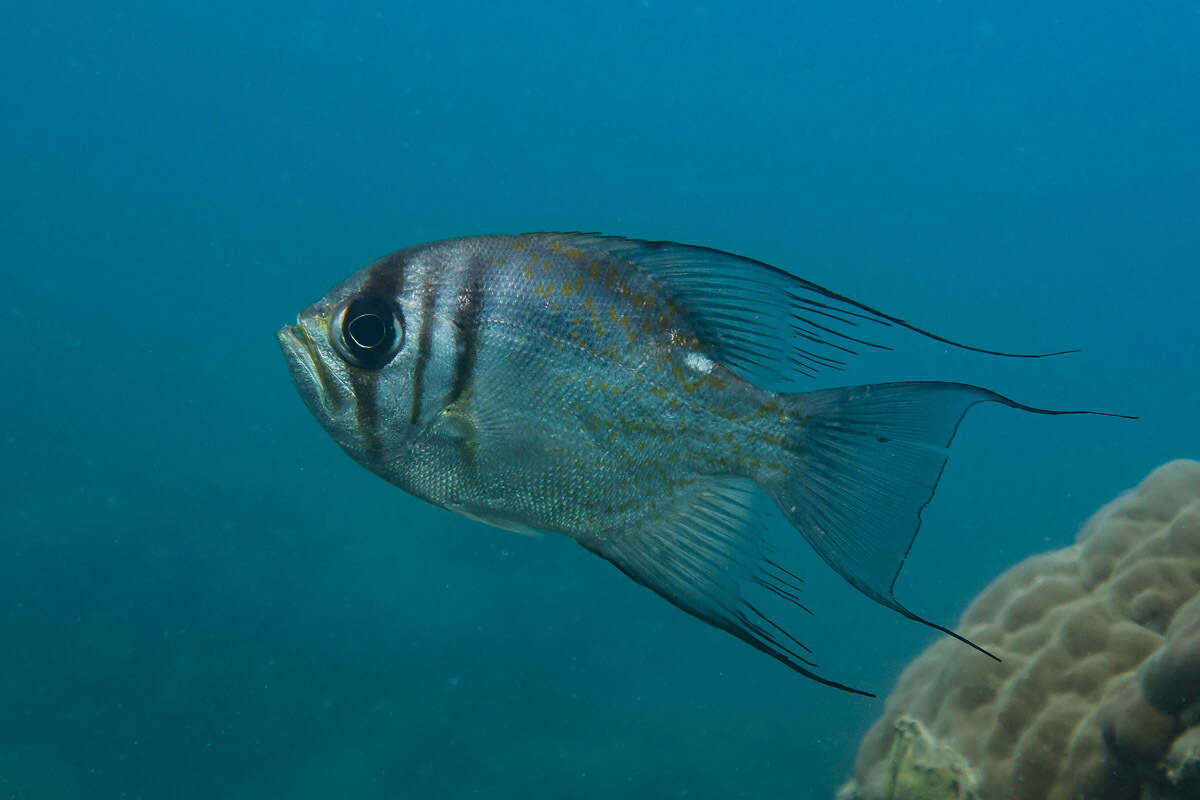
pixel 478 428
pixel 456 422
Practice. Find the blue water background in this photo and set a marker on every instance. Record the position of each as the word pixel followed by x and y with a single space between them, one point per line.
pixel 201 596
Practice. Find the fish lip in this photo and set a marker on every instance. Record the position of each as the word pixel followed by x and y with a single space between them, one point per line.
pixel 301 354
pixel 298 352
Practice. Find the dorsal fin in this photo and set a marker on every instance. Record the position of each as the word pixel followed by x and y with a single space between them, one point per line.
pixel 771 327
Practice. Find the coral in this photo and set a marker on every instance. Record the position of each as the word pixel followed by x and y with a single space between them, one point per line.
pixel 1097 696
pixel 916 767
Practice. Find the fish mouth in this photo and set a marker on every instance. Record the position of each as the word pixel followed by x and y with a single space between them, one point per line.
pixel 310 375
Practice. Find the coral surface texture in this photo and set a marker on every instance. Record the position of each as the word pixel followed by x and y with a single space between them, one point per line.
pixel 1097 695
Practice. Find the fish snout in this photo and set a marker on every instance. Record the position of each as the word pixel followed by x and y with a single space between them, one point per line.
pixel 321 391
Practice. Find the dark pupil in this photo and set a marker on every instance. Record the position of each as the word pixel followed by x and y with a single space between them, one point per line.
pixel 372 332
pixel 367 330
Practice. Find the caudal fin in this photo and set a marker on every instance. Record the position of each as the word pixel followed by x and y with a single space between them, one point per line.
pixel 867 462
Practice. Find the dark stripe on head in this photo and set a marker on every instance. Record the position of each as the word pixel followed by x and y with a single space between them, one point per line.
pixel 466 328
pixel 424 345
pixel 385 278
pixel 366 407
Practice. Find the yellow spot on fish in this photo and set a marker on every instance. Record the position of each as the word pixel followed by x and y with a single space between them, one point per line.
pixel 628 328
pixel 591 307
pixel 724 413
pixel 595 268
pixel 692 385
pixel 557 247
pixel 518 245
pixel 528 272
pixel 771 407
pixel 546 264
pixel 573 253
pixel 658 391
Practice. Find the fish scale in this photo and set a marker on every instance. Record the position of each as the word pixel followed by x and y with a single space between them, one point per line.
pixel 625 382
pixel 634 396
pixel 622 377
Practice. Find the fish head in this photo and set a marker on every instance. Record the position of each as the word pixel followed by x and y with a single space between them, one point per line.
pixel 351 361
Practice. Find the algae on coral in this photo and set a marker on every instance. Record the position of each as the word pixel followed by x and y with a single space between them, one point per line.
pixel 917 767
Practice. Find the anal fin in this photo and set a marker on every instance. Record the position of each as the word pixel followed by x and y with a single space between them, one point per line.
pixel 710 556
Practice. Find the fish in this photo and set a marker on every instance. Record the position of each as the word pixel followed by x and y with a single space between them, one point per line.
pixel 649 399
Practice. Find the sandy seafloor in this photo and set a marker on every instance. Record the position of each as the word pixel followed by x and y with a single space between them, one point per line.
pixel 202 597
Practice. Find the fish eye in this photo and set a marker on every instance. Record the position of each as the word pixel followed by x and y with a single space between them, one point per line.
pixel 372 331
pixel 367 330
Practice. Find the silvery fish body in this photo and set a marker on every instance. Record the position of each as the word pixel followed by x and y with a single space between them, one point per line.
pixel 621 392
